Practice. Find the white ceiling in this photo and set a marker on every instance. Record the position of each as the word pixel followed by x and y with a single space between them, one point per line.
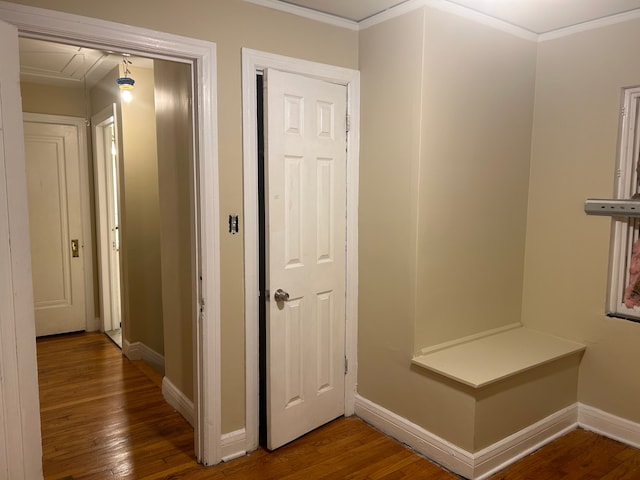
pixel 538 16
pixel 67 65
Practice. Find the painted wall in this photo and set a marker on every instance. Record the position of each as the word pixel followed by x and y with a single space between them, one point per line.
pixel 447 111
pixel 445 122
pixel 140 208
pixel 141 214
pixel 53 100
pixel 478 85
pixel 578 92
pixel 232 24
pixel 177 229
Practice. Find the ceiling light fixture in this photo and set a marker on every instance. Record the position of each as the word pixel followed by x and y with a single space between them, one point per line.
pixel 126 83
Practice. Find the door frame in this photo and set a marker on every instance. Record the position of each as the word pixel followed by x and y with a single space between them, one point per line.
pixel 58 26
pixel 103 204
pixel 254 62
pixel 80 124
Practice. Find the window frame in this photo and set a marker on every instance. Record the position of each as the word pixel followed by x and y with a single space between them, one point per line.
pixel 625 230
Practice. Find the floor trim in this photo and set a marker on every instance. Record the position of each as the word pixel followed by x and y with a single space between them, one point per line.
pixel 233 444
pixel 486 462
pixel 140 351
pixel 608 425
pixel 178 400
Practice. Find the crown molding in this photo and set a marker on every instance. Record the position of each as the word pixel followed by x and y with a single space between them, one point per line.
pixel 452 8
pixel 307 13
pixel 591 25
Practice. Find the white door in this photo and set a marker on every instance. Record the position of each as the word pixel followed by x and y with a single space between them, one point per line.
pixel 305 151
pixel 53 184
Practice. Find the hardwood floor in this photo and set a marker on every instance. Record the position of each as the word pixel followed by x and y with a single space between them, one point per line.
pixel 103 417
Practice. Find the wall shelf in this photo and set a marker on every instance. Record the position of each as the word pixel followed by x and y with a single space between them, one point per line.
pixel 611 207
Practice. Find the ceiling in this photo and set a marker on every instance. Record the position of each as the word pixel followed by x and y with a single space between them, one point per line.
pixel 67 65
pixel 538 16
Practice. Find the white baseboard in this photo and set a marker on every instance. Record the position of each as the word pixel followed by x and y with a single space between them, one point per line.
pixel 233 444
pixel 422 441
pixel 178 400
pixel 609 425
pixel 514 447
pixel 478 465
pixel 139 351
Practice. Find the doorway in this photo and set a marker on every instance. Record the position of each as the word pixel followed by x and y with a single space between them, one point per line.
pixel 107 195
pixel 201 55
pixel 254 63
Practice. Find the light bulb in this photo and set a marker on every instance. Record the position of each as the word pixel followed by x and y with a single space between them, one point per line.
pixel 126 95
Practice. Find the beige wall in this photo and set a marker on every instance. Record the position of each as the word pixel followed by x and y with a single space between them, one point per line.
pixel 53 100
pixel 175 180
pixel 140 207
pixel 450 177
pixel 578 91
pixel 232 24
pixel 474 171
pixel 447 109
pixel 140 211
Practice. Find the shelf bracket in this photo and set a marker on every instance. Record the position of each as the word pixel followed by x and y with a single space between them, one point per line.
pixel 612 207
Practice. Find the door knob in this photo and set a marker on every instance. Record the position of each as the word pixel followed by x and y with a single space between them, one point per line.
pixel 281 295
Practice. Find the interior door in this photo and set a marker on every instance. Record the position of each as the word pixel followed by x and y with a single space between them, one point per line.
pixel 305 197
pixel 55 222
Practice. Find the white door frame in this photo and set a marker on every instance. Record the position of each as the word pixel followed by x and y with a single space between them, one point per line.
pixel 103 205
pixel 80 124
pixel 254 61
pixel 52 25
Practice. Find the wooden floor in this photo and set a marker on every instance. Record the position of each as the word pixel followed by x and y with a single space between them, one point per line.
pixel 103 417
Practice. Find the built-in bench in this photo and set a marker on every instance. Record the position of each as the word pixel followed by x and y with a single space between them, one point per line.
pixel 483 359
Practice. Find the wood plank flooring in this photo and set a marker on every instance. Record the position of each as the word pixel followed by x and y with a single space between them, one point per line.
pixel 103 417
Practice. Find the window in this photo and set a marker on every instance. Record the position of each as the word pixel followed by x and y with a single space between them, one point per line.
pixel 625 230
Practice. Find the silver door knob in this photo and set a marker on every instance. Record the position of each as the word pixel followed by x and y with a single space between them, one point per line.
pixel 281 295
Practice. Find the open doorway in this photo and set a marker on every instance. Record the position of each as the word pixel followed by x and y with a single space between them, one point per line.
pixel 106 198
pixel 201 57
pixel 140 203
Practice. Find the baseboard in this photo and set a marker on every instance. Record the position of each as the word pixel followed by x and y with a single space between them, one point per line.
pixel 233 444
pixel 139 351
pixel 422 441
pixel 479 465
pixel 514 447
pixel 609 425
pixel 178 400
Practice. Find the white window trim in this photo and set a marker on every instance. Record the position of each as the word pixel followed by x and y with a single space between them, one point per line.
pixel 624 230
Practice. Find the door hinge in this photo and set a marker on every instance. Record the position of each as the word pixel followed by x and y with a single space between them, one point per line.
pixel 346 365
pixel 348 123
